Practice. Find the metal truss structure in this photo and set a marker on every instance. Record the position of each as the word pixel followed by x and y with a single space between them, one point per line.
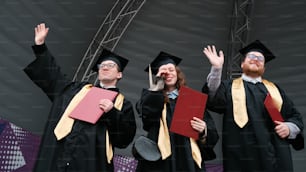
pixel 107 36
pixel 238 38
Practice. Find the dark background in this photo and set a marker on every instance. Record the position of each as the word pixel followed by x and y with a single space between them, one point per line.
pixel 181 28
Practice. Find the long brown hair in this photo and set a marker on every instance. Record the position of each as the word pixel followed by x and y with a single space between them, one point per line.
pixel 181 80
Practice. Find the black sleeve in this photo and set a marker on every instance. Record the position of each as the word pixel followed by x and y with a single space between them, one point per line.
pixel 217 103
pixel 45 73
pixel 212 138
pixel 291 114
pixel 150 107
pixel 121 125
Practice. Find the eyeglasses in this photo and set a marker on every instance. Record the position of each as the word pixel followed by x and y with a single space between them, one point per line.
pixel 107 65
pixel 253 57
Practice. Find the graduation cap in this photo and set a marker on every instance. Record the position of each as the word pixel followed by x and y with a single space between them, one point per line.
pixel 162 59
pixel 108 55
pixel 258 47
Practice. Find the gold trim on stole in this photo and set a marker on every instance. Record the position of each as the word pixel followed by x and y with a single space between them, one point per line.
pixel 164 144
pixel 109 148
pixel 239 100
pixel 64 126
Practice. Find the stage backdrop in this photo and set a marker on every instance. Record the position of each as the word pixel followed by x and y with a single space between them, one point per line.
pixel 181 28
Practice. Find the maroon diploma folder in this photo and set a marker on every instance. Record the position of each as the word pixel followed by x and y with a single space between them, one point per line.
pixel 272 110
pixel 190 103
pixel 88 108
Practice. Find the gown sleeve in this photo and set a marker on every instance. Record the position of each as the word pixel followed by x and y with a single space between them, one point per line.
pixel 291 114
pixel 45 73
pixel 150 107
pixel 121 125
pixel 207 148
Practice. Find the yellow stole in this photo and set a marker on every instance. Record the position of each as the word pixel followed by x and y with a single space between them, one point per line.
pixel 164 141
pixel 239 100
pixel 64 126
pixel 109 148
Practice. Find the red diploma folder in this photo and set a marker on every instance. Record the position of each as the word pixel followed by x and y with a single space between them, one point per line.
pixel 190 103
pixel 88 108
pixel 271 108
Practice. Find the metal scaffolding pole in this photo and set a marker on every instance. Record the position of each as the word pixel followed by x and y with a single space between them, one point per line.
pixel 239 33
pixel 107 36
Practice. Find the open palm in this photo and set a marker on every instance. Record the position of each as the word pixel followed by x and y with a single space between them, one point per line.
pixel 41 33
pixel 213 57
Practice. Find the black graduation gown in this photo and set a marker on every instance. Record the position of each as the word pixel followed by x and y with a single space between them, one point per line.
pixel 84 148
pixel 150 107
pixel 256 146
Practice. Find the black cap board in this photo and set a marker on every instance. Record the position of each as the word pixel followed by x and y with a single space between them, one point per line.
pixel 258 47
pixel 161 59
pixel 108 55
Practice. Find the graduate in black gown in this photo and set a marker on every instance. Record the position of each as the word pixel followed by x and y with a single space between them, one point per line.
pixel 81 147
pixel 156 106
pixel 252 141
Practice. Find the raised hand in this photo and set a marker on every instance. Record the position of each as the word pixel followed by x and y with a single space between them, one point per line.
pixel 41 33
pixel 213 57
pixel 157 83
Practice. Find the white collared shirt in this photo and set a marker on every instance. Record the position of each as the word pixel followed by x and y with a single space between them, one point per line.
pixel 250 79
pixel 173 94
pixel 102 86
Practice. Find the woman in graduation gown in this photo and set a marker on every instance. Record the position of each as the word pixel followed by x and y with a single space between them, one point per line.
pixel 82 147
pixel 159 102
pixel 252 141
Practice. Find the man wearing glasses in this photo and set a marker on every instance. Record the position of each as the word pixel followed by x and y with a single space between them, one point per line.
pixel 252 139
pixel 70 144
